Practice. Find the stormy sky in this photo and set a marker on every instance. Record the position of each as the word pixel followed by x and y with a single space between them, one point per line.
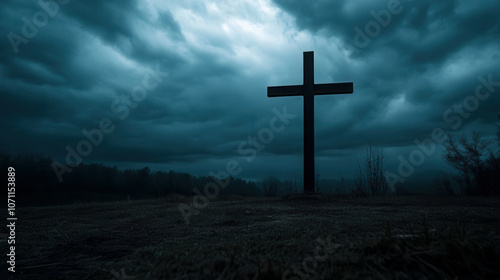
pixel 181 85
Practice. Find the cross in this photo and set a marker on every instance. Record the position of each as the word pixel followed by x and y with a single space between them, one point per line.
pixel 308 89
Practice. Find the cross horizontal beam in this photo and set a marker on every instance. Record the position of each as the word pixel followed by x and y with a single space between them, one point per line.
pixel 285 91
pixel 338 88
pixel 318 89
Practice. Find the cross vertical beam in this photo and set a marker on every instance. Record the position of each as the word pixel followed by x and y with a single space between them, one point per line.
pixel 309 122
pixel 308 89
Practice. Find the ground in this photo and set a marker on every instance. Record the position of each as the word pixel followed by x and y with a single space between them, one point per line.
pixel 298 237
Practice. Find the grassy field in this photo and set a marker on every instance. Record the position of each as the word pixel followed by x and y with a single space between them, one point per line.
pixel 299 237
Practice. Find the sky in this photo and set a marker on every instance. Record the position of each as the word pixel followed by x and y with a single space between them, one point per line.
pixel 182 85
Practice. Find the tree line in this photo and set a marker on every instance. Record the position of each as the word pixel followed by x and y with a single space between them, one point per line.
pixel 476 160
pixel 37 185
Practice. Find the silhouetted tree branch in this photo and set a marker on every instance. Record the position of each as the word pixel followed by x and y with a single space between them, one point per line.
pixel 370 180
pixel 475 161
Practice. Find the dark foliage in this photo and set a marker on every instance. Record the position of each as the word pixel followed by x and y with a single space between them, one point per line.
pixel 477 163
pixel 36 183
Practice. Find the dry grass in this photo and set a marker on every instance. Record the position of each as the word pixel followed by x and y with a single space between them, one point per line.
pixel 241 238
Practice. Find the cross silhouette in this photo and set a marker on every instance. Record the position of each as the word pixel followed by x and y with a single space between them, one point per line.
pixel 309 89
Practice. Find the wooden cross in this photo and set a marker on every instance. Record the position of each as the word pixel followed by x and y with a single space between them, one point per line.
pixel 308 90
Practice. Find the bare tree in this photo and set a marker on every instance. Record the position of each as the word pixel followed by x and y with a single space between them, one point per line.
pixel 475 161
pixel 370 179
